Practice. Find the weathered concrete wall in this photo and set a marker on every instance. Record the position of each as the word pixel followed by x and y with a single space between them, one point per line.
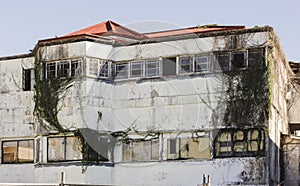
pixel 294 104
pixel 291 152
pixel 16 105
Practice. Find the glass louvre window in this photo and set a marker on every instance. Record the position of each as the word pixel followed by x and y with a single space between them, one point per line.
pixel 201 63
pixel 63 69
pixel 185 64
pixel 17 151
pixel 221 62
pixel 136 69
pixel 122 71
pixel 51 70
pixel 152 68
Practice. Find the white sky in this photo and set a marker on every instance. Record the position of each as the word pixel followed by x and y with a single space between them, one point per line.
pixel 24 22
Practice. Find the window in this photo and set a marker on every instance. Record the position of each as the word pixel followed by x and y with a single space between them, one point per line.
pixel 28 79
pixel 20 151
pixel 238 60
pixel 202 63
pixel 61 69
pixel 189 148
pixel 136 69
pixel 122 71
pixel 64 148
pixel 185 64
pixel 246 142
pixel 152 68
pixel 141 150
pixel 98 68
pixel 221 62
pixel 256 58
pixel 169 66
pixel 50 70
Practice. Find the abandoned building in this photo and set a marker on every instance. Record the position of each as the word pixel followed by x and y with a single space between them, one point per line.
pixel 107 105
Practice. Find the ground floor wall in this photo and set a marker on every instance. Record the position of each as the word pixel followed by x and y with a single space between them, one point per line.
pixel 225 171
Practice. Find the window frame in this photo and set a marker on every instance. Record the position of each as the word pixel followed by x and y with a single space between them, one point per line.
pixel 127 69
pixel 245 62
pixel 17 152
pixel 130 147
pixel 190 65
pixel 141 62
pixel 157 68
pixel 208 63
pixel 216 63
pixel 52 73
pixel 232 143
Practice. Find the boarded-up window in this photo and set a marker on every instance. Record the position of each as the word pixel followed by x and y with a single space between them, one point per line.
pixel 169 66
pixel 64 148
pixel 17 151
pixel 244 142
pixel 141 150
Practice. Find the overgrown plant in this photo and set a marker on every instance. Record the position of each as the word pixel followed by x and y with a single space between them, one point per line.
pixel 48 93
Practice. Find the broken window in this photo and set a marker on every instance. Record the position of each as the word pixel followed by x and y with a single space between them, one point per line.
pixel 98 68
pixel 202 63
pixel 20 151
pixel 121 71
pixel 221 62
pixel 189 148
pixel 152 68
pixel 67 148
pixel 238 60
pixel 75 68
pixel 142 150
pixel 169 66
pixel 185 64
pixel 256 58
pixel 28 79
pixel 136 69
pixel 246 142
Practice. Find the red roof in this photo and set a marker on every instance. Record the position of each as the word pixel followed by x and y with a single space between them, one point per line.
pixel 108 28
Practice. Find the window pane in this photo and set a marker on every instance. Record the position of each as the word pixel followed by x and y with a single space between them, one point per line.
pixel 152 68
pixel 238 60
pixel 155 149
pixel 75 68
pixel 73 148
pixel 51 68
pixel 25 151
pixel 221 62
pixel 136 69
pixel 126 152
pixel 9 151
pixel 121 71
pixel 93 67
pixel 104 69
pixel 140 151
pixel 63 69
pixel 56 149
pixel 201 63
pixel 185 64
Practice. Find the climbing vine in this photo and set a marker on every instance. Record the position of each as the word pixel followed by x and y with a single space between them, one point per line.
pixel 48 92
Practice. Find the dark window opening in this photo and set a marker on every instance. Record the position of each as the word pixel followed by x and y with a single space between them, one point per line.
pixel 173 149
pixel 221 62
pixel 169 66
pixel 238 60
pixel 27 76
pixel 256 58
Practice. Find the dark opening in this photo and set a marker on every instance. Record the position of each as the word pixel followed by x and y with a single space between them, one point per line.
pixel 238 60
pixel 172 146
pixel 169 66
pixel 26 79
